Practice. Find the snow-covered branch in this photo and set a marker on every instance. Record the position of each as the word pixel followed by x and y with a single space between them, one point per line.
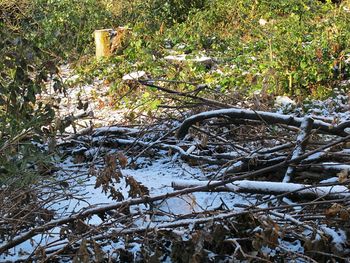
pixel 305 129
pixel 266 187
pixel 265 117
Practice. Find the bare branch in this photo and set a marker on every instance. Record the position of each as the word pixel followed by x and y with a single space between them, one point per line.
pixel 266 117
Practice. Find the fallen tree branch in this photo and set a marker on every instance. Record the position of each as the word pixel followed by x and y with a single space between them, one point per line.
pixel 147 199
pixel 332 168
pixel 217 217
pixel 339 244
pixel 114 130
pixel 160 145
pixel 187 95
pixel 305 129
pixel 266 187
pixel 123 204
pixel 266 117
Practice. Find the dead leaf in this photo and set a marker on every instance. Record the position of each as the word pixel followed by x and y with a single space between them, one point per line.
pixel 123 160
pixel 344 215
pixel 117 175
pixel 82 255
pixel 343 176
pixel 64 231
pixel 110 161
pixel 161 29
pixel 333 210
pixel 92 170
pixel 101 104
pixel 136 189
pixel 80 226
pixel 116 195
pixel 79 158
pixel 40 253
pixel 46 214
pixel 99 254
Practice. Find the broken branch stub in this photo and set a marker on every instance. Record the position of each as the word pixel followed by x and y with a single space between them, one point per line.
pixel 305 129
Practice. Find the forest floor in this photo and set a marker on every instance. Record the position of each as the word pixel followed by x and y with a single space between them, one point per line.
pixel 241 185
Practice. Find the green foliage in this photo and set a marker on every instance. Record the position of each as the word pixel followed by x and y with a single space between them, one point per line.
pixel 150 15
pixel 283 47
pixel 22 77
pixel 66 27
pixel 296 47
pixel 23 72
pixel 168 12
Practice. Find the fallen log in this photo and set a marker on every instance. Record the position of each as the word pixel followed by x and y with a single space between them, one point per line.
pixel 266 187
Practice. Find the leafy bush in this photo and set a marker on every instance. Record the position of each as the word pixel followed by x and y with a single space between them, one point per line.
pixel 22 76
pixel 152 14
pixel 66 27
pixel 285 47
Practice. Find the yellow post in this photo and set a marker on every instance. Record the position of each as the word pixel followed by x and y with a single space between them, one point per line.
pixel 102 42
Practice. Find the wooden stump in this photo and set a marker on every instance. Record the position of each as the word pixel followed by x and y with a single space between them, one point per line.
pixel 102 42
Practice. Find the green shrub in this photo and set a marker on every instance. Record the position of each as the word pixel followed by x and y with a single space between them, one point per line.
pixel 23 72
pixel 301 50
pixel 66 27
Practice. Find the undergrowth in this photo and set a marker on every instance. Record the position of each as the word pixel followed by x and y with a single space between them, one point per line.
pixel 295 48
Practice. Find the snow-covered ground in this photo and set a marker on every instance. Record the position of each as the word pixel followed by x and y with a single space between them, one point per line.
pixel 80 191
pixel 156 175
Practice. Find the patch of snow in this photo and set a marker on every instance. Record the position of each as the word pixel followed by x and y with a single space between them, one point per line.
pixel 339 238
pixel 134 75
pixel 330 180
pixel 183 57
pixel 295 246
pixel 284 101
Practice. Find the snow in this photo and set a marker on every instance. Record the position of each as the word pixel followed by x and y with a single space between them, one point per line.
pixel 134 75
pixel 183 57
pixel 335 166
pixel 82 194
pixel 339 238
pixel 330 180
pixel 284 101
pixel 158 174
pixel 336 191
